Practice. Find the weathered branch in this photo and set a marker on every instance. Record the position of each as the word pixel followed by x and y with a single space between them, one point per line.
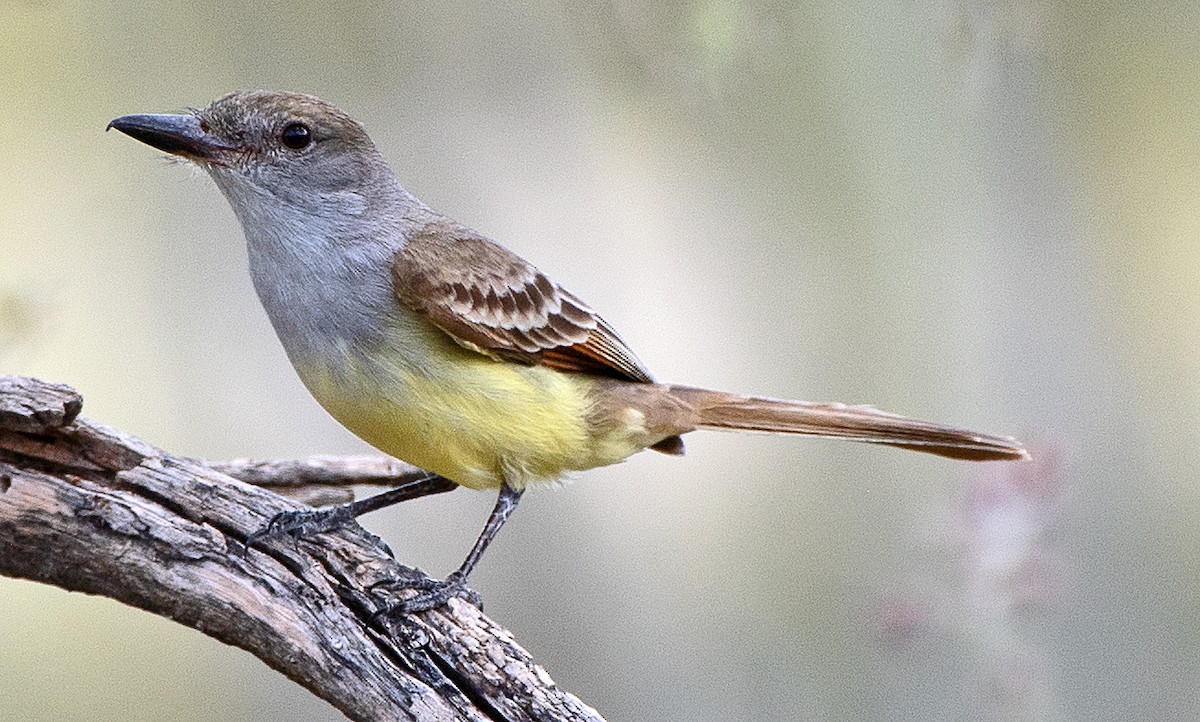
pixel 88 508
pixel 318 480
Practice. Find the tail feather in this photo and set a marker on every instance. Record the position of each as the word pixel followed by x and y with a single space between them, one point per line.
pixel 718 410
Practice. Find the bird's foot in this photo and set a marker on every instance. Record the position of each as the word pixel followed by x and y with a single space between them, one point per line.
pixel 433 593
pixel 300 524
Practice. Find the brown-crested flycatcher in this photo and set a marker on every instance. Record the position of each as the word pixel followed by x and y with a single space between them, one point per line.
pixel 440 347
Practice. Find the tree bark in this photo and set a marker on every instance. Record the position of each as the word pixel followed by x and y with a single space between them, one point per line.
pixel 88 508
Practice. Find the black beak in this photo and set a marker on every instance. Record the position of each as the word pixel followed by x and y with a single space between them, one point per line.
pixel 175 134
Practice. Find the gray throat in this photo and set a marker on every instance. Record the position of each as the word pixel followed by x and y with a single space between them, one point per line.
pixel 323 271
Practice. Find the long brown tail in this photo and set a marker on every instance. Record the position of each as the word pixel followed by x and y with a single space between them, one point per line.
pixel 719 410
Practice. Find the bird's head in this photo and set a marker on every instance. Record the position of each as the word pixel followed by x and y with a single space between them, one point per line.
pixel 267 148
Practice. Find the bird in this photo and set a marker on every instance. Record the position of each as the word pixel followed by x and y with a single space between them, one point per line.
pixel 439 346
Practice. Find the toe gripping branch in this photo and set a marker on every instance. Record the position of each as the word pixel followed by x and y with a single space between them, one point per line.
pixel 432 593
pixel 435 593
pixel 305 523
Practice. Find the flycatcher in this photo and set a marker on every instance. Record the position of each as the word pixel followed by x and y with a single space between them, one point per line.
pixel 443 348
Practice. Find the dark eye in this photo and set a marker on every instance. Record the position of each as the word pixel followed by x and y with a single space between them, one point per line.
pixel 296 136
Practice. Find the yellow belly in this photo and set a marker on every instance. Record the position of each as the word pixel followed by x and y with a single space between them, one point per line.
pixel 467 417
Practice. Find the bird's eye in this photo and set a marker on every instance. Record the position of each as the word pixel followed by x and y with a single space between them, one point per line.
pixel 296 136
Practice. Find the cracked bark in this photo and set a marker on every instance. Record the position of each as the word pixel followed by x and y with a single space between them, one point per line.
pixel 91 509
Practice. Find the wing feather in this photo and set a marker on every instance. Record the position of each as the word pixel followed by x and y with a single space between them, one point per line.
pixel 492 301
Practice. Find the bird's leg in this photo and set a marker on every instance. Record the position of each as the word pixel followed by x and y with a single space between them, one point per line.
pixel 299 524
pixel 455 585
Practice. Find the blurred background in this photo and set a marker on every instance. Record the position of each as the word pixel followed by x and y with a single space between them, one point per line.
pixel 979 212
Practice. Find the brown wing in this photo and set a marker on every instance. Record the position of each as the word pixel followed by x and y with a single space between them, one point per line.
pixel 492 301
